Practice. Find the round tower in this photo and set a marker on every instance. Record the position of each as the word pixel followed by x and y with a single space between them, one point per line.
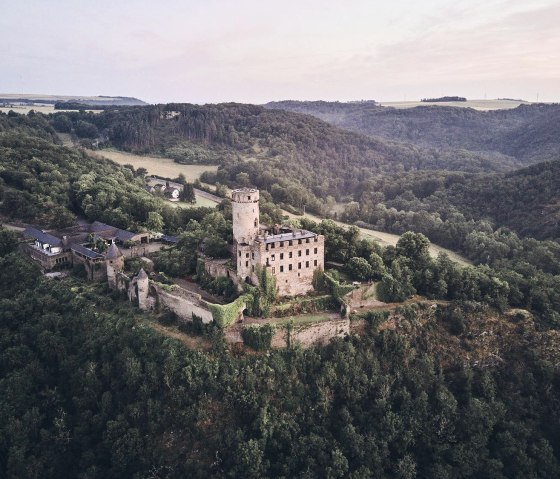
pixel 114 260
pixel 143 289
pixel 245 208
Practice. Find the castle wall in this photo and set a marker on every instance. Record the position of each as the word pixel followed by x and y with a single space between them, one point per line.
pixel 182 302
pixel 305 335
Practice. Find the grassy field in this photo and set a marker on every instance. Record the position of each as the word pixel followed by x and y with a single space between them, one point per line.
pixel 46 109
pixel 164 167
pixel 483 105
pixel 200 201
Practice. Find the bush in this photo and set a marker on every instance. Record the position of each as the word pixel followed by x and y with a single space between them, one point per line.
pixel 257 337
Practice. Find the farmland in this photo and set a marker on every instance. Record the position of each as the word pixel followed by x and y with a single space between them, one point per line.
pixel 163 167
pixel 482 105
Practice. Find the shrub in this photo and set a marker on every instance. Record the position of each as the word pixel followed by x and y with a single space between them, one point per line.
pixel 257 337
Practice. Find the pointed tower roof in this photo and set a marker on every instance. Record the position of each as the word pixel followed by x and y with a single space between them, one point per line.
pixel 113 252
pixel 142 274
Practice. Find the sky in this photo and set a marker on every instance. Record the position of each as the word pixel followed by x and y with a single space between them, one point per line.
pixel 254 51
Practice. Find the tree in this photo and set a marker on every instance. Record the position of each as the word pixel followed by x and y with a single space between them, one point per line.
pixel 377 266
pixel 359 268
pixel 187 193
pixel 154 222
pixel 8 241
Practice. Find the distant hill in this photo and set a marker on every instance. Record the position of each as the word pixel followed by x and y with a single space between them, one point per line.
pixel 275 148
pixel 530 133
pixel 17 98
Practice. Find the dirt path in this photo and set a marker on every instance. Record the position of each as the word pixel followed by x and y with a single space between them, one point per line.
pixel 191 342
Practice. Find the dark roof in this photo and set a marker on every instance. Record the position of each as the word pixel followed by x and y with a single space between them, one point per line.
pixel 88 253
pixel 108 231
pixel 294 235
pixel 113 252
pixel 41 236
pixel 124 235
pixel 169 239
pixel 97 227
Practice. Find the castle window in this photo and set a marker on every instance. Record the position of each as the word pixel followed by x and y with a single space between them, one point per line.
pixel 299 241
pixel 299 253
pixel 272 257
pixel 281 244
pixel 256 223
pixel 273 270
pixel 316 239
pixel 290 243
pixel 246 264
pixel 281 269
pixel 289 267
pixel 290 254
pixel 307 264
pixel 315 250
pixel 240 254
pixel 307 252
pixel 307 240
pixel 253 267
pixel 281 255
pixel 315 263
pixel 248 197
pixel 299 266
pixel 246 255
pixel 272 245
pixel 252 255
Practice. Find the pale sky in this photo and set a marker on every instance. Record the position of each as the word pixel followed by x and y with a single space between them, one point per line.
pixel 254 51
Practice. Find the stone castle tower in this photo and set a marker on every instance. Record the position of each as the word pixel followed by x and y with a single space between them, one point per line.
pixel 245 208
pixel 114 261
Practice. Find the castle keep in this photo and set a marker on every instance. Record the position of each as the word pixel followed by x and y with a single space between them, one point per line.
pixel 290 255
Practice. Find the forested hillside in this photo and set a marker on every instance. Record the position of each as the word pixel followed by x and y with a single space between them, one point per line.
pixel 302 158
pixel 88 390
pixel 526 201
pixel 44 183
pixel 529 133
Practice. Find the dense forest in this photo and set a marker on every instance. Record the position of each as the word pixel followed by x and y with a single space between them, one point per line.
pixel 464 387
pixel 87 390
pixel 528 133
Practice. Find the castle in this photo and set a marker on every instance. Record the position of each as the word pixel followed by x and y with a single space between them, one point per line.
pixel 290 255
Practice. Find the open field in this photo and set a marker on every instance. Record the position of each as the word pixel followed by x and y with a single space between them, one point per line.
pixel 43 108
pixel 483 105
pixel 163 167
pixel 200 201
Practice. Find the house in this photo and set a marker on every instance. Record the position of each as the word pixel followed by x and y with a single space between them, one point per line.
pixel 111 234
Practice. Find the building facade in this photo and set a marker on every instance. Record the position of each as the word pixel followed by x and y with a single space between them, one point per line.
pixel 290 255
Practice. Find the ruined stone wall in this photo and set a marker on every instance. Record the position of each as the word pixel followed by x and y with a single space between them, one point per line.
pixel 182 302
pixel 306 335
pixel 220 268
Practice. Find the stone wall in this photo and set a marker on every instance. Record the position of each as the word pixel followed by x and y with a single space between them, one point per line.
pixel 306 335
pixel 182 302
